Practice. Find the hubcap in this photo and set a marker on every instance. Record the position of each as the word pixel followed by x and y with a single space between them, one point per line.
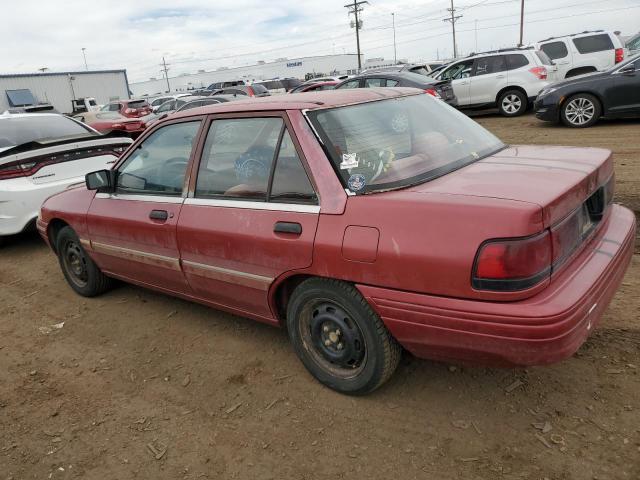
pixel 332 338
pixel 75 263
pixel 580 111
pixel 511 104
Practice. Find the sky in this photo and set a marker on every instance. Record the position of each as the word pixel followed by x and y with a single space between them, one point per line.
pixel 206 34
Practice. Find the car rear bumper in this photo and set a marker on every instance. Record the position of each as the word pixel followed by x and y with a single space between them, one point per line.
pixel 543 329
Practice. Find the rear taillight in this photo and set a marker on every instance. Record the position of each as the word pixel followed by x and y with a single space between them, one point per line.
pixel 540 72
pixel 619 55
pixel 513 264
pixel 21 169
pixel 433 93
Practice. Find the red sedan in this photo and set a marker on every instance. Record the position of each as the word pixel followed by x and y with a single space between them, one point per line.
pixel 112 123
pixel 129 108
pixel 366 221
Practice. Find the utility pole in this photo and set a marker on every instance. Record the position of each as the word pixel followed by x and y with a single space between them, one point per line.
pixel 454 18
pixel 85 59
pixel 356 8
pixel 476 51
pixel 395 55
pixel 521 23
pixel 165 69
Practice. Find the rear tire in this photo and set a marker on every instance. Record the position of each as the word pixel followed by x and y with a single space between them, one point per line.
pixel 580 111
pixel 512 103
pixel 339 338
pixel 81 273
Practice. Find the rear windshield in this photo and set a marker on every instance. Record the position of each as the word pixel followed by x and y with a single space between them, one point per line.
pixel 420 71
pixel 398 142
pixel 595 43
pixel 138 104
pixel 16 131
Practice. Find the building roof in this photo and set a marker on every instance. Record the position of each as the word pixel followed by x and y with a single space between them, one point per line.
pixel 302 101
pixel 55 74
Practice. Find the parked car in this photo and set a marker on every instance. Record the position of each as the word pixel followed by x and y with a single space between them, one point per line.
pixel 584 52
pixel 85 104
pixel 395 221
pixel 113 123
pixel 633 44
pixel 42 154
pixel 157 102
pixel 255 90
pixel 227 84
pixel 580 102
pixel 508 79
pixel 128 108
pixel 312 87
pixel 438 88
pixel 290 83
pixel 274 87
pixel 333 78
pixel 202 101
pixel 421 68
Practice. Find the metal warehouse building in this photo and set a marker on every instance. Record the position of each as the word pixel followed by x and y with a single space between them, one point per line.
pixel 281 68
pixel 60 88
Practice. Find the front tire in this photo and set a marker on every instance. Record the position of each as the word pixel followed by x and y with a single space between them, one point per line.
pixel 339 338
pixel 580 111
pixel 81 273
pixel 512 103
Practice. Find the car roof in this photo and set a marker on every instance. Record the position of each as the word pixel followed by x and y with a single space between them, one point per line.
pixel 302 101
pixel 28 115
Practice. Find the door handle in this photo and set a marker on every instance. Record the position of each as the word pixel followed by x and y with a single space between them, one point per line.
pixel 288 227
pixel 159 215
pixel 500 76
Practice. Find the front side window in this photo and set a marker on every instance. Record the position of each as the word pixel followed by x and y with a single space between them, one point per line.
pixel 158 165
pixel 114 107
pixel 594 43
pixel 458 71
pixel 395 143
pixel 167 107
pixel 555 50
pixel 634 44
pixel 488 65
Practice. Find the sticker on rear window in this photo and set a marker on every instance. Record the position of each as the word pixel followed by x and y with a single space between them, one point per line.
pixel 356 182
pixel 349 160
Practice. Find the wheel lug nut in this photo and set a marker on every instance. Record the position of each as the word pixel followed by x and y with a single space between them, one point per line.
pixel 327 342
pixel 339 347
pixel 325 329
pixel 338 332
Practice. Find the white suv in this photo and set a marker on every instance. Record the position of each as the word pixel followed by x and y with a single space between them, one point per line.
pixel 509 79
pixel 584 52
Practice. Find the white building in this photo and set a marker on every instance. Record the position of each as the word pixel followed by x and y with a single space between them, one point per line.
pixel 60 88
pixel 282 68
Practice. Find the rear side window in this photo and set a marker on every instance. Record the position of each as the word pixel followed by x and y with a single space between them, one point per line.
pixel 488 65
pixel 517 61
pixel 257 88
pixel 595 43
pixel 555 50
pixel 290 180
pixel 350 84
pixel 392 83
pixel 374 82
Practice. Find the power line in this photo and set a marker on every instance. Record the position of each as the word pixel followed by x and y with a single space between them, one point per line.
pixel 453 19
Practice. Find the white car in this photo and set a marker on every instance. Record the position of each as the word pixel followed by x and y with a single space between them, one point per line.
pixel 42 154
pixel 508 79
pixel 157 102
pixel 582 53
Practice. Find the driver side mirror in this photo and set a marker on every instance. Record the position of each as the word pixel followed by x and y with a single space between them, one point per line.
pixel 103 181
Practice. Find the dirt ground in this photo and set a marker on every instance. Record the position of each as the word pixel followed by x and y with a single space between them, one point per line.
pixel 137 385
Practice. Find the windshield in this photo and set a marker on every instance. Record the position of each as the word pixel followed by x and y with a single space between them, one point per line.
pixel 16 131
pixel 398 142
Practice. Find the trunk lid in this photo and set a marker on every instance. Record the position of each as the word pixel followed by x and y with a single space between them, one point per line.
pixel 558 179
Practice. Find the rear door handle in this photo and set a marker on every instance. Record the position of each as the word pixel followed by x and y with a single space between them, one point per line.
pixel 159 215
pixel 288 227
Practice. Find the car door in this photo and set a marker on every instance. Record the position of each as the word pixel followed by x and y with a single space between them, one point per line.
pixel 460 74
pixel 251 216
pixel 623 94
pixel 558 52
pixel 488 78
pixel 133 230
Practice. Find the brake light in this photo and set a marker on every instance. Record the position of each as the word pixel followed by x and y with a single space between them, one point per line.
pixel 433 93
pixel 540 72
pixel 129 110
pixel 619 55
pixel 18 169
pixel 513 264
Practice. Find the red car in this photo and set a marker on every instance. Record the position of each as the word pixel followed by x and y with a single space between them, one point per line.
pixel 312 87
pixel 129 108
pixel 364 220
pixel 112 123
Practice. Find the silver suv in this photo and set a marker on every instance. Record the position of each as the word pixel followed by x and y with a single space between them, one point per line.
pixel 508 79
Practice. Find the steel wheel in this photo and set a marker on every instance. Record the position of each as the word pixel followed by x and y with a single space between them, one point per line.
pixel 580 111
pixel 332 338
pixel 75 263
pixel 511 104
